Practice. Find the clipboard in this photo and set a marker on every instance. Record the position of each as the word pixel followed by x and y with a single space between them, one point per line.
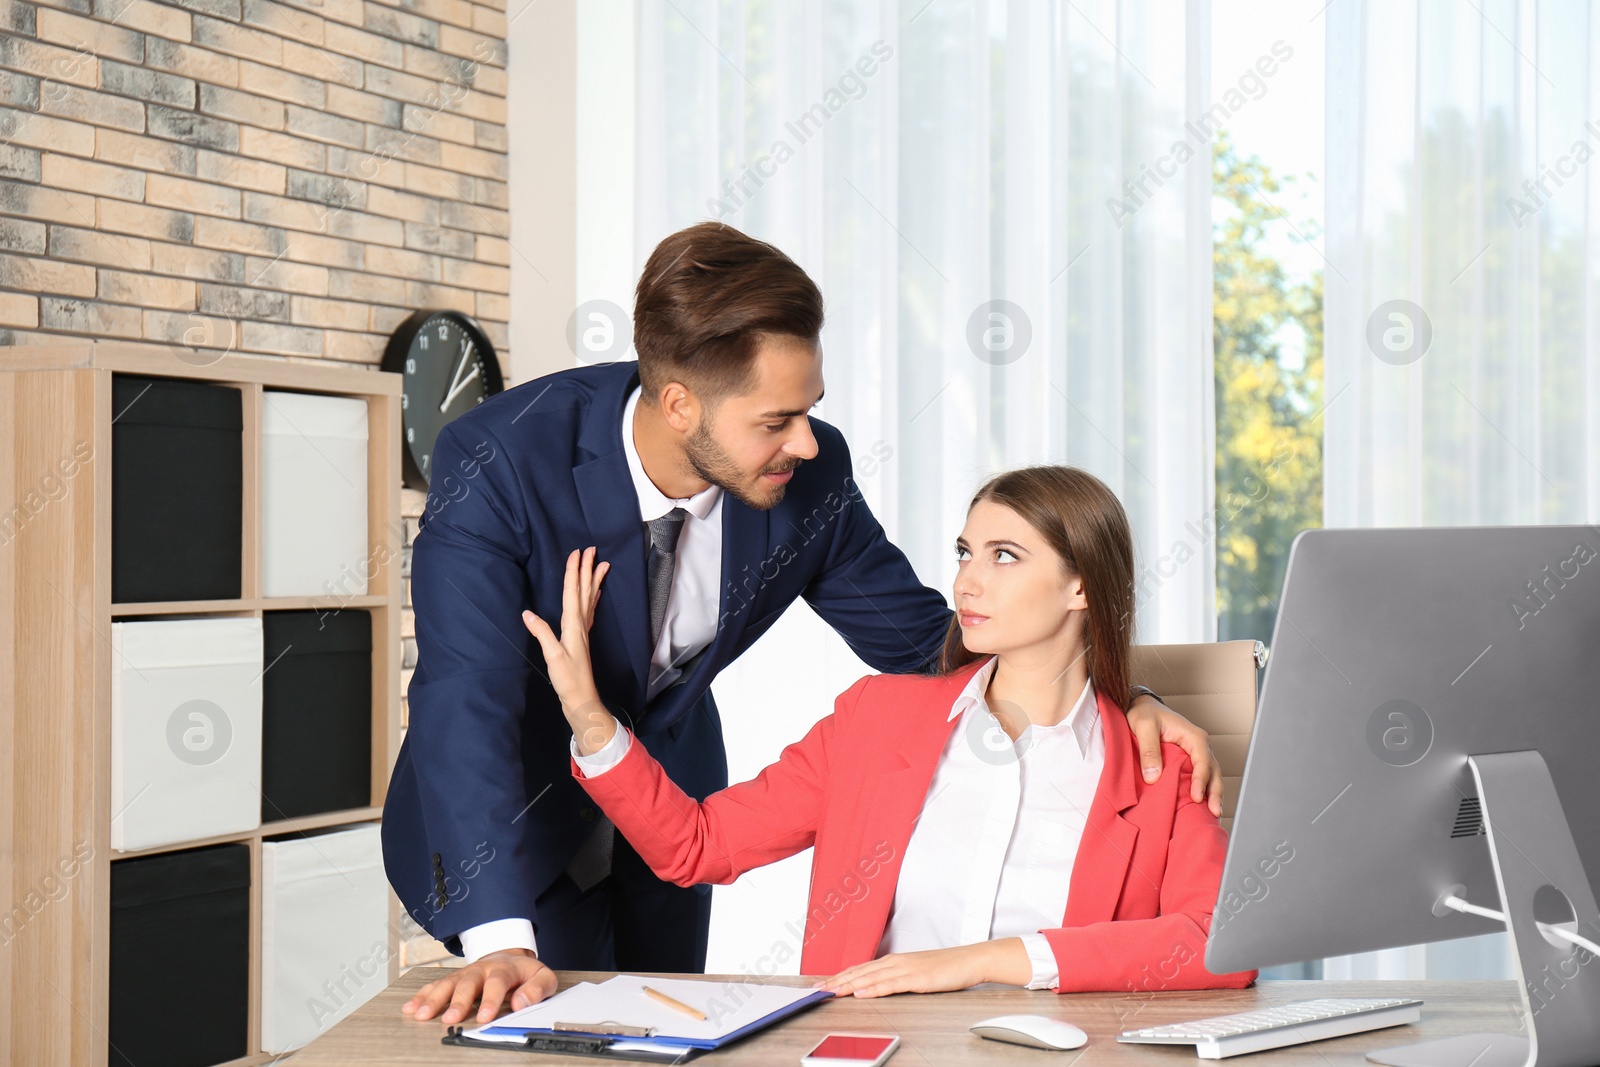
pixel 575 1045
pixel 648 1049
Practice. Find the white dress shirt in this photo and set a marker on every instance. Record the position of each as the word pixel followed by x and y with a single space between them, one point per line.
pixel 1014 812
pixel 688 626
pixel 691 619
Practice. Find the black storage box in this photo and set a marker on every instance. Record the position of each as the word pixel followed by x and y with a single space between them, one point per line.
pixel 177 490
pixel 180 958
pixel 316 712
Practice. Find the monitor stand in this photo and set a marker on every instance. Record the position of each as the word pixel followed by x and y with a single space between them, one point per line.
pixel 1543 888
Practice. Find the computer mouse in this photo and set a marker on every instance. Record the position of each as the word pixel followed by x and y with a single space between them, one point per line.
pixel 1035 1031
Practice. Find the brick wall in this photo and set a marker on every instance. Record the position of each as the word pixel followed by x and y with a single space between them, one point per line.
pixel 289 179
pixel 286 179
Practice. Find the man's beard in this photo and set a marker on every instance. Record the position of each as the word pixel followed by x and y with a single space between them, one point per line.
pixel 708 460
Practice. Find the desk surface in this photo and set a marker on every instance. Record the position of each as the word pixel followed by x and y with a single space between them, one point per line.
pixel 933 1027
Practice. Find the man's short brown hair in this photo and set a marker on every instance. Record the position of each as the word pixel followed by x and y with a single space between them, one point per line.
pixel 707 296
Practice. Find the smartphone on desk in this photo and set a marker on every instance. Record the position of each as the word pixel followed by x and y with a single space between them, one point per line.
pixel 851 1050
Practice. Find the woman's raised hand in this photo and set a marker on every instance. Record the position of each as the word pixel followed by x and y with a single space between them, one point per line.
pixel 567 656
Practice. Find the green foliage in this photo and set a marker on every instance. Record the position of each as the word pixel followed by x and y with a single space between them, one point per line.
pixel 1269 424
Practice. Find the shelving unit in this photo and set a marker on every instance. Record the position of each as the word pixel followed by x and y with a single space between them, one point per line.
pixel 55 667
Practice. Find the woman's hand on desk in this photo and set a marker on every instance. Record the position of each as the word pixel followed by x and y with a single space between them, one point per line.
pixel 514 970
pixel 938 970
pixel 567 656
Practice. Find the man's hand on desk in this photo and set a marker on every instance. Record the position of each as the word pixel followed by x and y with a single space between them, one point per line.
pixel 513 970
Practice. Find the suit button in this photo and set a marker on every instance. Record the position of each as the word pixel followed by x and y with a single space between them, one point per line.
pixel 586 814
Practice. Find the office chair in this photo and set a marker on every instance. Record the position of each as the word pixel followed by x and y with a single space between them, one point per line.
pixel 1212 685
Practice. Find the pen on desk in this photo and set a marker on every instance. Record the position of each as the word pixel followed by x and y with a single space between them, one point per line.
pixel 693 1013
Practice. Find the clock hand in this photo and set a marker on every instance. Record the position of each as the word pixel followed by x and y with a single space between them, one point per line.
pixel 466 350
pixel 459 384
pixel 464 382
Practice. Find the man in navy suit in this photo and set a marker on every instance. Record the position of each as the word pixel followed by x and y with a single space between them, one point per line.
pixel 717 502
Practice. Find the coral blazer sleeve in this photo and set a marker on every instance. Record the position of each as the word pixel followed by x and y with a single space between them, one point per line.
pixel 1165 950
pixel 766 819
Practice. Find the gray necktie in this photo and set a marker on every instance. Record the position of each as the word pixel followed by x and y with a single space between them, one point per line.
pixel 663 555
pixel 592 861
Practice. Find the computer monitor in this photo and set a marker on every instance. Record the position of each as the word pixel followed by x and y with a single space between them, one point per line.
pixel 1428 738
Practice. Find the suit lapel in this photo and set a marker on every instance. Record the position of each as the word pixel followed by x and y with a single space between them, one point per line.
pixel 617 532
pixel 611 512
pixel 1106 850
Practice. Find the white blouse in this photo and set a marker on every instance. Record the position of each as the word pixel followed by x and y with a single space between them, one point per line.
pixel 991 854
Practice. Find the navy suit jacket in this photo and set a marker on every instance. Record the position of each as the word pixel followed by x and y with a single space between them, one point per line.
pixel 482 812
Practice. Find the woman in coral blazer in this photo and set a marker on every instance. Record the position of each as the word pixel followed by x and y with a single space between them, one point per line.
pixel 941 851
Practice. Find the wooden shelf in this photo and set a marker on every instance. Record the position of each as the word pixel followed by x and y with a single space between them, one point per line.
pixel 241 837
pixel 55 666
pixel 317 822
pixel 257 1060
pixel 182 607
pixel 246 607
pixel 322 603
pixel 301 824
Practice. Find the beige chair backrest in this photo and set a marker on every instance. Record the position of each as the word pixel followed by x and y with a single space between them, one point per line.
pixel 1213 686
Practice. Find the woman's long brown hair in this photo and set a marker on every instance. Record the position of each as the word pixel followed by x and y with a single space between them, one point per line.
pixel 1082 520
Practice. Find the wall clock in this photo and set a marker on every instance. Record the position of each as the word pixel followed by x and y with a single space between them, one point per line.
pixel 448 368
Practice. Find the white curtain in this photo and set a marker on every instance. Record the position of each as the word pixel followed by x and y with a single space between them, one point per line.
pixel 1461 204
pixel 1009 219
pixel 1463 383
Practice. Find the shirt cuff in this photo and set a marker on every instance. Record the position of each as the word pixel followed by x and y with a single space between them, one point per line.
pixel 1046 975
pixel 478 941
pixel 606 757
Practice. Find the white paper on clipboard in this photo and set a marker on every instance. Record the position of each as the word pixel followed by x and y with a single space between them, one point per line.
pixel 729 1007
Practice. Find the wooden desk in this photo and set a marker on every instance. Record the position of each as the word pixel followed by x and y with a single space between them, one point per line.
pixel 933 1027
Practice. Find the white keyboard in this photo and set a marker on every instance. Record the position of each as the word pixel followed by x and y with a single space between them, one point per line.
pixel 1290 1024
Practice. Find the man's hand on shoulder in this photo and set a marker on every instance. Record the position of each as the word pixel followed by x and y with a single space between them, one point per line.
pixel 513 971
pixel 1152 722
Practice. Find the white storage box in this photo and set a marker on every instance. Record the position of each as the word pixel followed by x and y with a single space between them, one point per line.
pixel 324 932
pixel 313 495
pixel 185 730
